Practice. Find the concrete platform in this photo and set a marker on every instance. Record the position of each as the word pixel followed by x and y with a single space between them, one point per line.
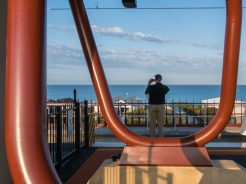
pixel 222 172
pixel 168 131
pixel 230 134
pixel 165 156
pixel 118 144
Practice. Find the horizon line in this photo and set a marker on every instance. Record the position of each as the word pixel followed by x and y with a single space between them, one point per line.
pixel 146 84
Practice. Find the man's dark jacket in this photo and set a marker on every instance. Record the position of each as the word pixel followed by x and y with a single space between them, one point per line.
pixel 157 93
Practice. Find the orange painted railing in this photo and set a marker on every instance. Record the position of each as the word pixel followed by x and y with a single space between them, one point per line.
pixel 26 136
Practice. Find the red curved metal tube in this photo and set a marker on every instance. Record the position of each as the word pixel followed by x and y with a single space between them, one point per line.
pixel 26 134
pixel 229 81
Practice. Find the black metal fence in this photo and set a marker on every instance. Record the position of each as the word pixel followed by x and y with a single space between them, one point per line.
pixel 177 114
pixel 70 127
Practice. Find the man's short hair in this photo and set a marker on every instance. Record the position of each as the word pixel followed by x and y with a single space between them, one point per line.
pixel 158 77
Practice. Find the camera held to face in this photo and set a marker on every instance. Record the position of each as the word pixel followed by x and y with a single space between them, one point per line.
pixel 151 80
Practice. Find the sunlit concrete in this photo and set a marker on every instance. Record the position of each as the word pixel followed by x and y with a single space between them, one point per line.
pixel 222 172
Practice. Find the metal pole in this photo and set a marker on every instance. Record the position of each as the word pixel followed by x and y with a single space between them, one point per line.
pixel 59 137
pixel 77 126
pixel 4 168
pixel 174 117
pixel 74 96
pixel 86 123
pixel 26 134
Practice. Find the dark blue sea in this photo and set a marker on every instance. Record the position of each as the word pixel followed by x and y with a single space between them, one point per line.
pixel 188 93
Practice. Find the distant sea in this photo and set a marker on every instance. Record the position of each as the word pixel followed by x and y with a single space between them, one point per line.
pixel 188 93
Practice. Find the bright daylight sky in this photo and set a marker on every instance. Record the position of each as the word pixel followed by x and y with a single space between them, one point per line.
pixel 185 46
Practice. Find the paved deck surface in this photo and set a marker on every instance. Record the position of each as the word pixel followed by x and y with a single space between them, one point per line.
pixel 209 145
pixel 230 137
pixel 230 145
pixel 168 130
pixel 90 165
pixel 104 133
pixel 84 173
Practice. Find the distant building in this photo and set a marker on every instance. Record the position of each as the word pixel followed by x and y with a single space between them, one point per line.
pixel 239 109
pixel 134 100
pixel 120 105
pixel 118 99
pixel 60 102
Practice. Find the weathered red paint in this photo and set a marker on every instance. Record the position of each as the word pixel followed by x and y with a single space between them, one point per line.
pixel 228 89
pixel 26 139
pixel 165 156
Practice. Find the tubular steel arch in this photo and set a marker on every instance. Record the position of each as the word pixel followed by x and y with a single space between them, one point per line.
pixel 26 139
pixel 228 89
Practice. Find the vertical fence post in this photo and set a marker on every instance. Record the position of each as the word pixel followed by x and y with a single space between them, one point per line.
pixel 173 113
pixel 86 119
pixel 4 169
pixel 74 96
pixel 47 124
pixel 59 137
pixel 166 115
pixel 98 115
pixel 137 114
pixel 91 124
pixel 145 114
pixel 125 115
pixel 132 123
pixel 244 112
pixel 186 114
pixel 180 114
pixel 235 112
pixel 193 115
pixel 77 126
pixel 209 114
pixel 203 114
pixel 241 114
pixel 205 119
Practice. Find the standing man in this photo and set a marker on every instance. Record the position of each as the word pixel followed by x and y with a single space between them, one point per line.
pixel 156 94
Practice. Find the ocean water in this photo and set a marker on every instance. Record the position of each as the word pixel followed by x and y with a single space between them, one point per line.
pixel 188 93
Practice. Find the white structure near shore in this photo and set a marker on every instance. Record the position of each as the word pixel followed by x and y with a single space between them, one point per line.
pixel 238 113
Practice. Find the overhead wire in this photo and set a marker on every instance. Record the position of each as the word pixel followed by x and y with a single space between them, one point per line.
pixel 150 8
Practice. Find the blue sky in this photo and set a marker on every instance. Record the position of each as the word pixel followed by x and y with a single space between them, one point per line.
pixel 185 46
